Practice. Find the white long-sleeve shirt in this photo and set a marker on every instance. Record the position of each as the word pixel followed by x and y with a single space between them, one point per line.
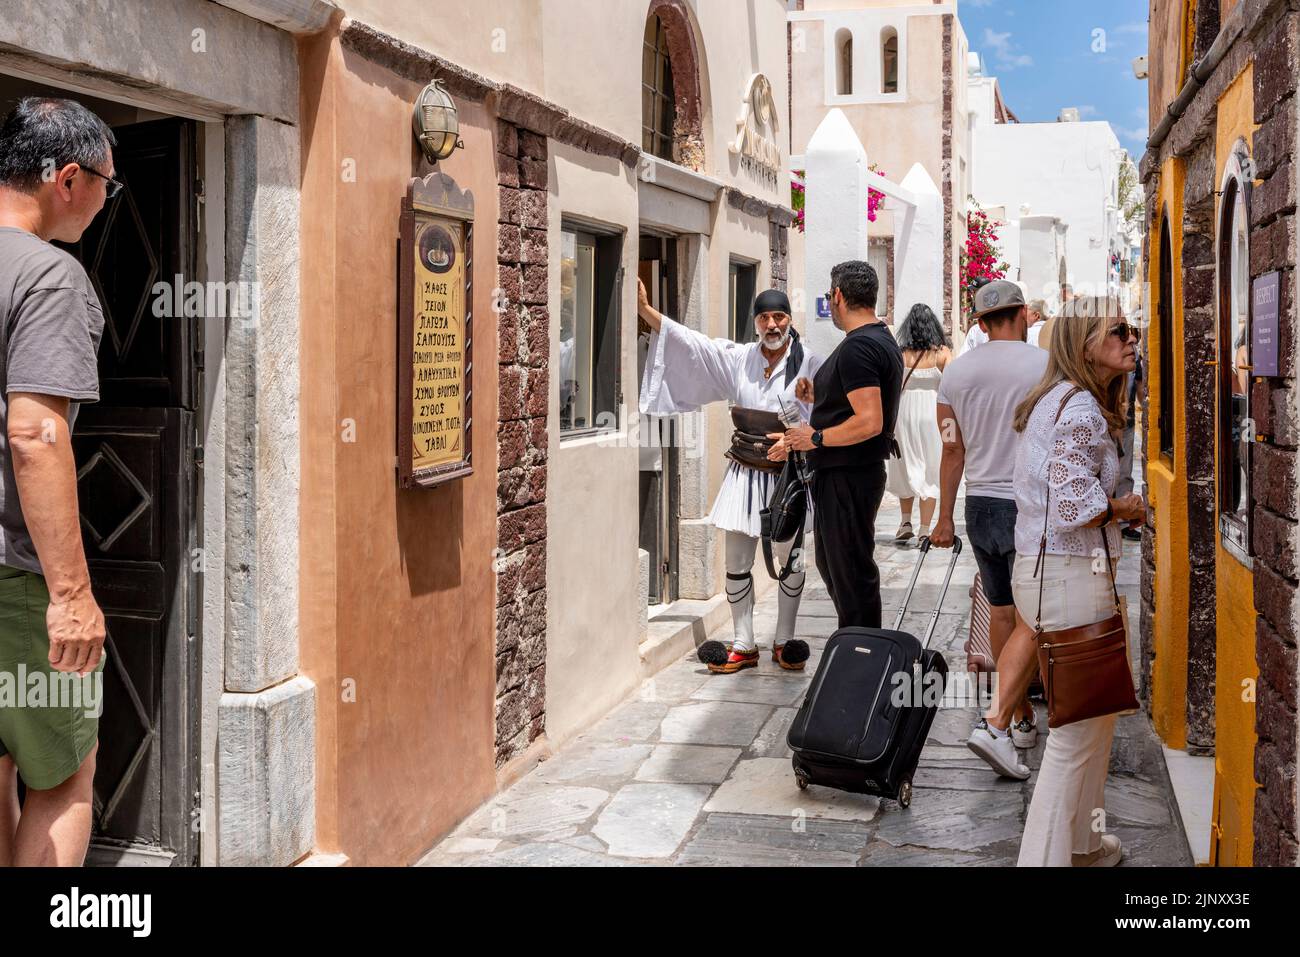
pixel 1076 458
pixel 686 369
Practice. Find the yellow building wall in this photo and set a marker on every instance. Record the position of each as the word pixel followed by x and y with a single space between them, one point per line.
pixel 1232 840
pixel 1167 482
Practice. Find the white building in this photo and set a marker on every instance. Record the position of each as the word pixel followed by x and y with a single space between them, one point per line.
pixel 1058 184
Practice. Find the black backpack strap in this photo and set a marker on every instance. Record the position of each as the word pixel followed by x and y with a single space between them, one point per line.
pixel 796 546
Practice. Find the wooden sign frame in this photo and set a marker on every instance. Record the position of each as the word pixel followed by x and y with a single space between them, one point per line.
pixel 434 199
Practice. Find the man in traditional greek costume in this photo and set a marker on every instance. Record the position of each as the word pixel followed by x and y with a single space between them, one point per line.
pixel 685 370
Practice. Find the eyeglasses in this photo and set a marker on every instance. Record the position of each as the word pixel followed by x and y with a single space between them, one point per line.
pixel 113 187
pixel 1123 330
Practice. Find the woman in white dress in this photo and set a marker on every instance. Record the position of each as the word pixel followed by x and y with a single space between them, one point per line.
pixel 916 475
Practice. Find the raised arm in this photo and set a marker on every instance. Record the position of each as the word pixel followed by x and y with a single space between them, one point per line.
pixel 685 369
pixel 653 317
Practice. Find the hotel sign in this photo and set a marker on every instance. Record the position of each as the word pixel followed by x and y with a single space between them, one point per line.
pixel 435 311
pixel 756 128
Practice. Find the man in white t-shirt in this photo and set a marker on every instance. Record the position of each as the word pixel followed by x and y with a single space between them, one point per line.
pixel 977 398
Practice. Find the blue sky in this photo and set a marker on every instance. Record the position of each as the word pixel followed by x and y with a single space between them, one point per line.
pixel 1047 54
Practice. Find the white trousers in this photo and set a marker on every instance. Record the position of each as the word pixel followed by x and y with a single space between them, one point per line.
pixel 741 550
pixel 1067 814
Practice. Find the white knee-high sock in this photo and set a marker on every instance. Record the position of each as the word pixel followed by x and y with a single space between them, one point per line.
pixel 787 602
pixel 740 594
pixel 740 550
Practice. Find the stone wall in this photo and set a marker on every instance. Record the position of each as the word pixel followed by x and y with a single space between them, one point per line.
pixel 1200 388
pixel 950 261
pixel 1273 404
pixel 522 376
pixel 779 251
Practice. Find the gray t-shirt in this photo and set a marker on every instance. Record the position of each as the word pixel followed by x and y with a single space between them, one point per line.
pixel 50 325
pixel 984 386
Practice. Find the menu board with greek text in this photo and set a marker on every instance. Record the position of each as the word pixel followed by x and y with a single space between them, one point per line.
pixel 435 333
pixel 438 353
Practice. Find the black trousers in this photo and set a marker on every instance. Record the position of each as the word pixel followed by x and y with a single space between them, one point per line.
pixel 845 502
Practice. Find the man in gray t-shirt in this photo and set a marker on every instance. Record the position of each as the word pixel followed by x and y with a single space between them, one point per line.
pixel 976 405
pixel 56 173
pixel 48 346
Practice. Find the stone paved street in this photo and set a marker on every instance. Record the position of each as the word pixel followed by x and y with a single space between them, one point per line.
pixel 694 768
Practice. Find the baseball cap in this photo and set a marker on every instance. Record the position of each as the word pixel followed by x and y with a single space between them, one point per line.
pixel 999 294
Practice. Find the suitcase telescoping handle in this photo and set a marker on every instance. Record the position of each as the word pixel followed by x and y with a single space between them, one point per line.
pixel 943 592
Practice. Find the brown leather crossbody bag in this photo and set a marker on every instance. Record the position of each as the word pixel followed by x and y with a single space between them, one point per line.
pixel 1085 669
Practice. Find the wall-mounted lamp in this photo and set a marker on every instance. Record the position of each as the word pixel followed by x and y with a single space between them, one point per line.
pixel 436 124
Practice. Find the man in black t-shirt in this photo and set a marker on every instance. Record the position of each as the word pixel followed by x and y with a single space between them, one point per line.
pixel 855 396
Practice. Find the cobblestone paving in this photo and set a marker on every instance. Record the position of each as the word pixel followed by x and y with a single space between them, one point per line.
pixel 693 769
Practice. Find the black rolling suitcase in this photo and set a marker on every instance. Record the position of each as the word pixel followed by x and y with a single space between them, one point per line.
pixel 856 730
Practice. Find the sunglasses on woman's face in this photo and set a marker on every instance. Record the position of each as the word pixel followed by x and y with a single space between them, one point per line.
pixel 1123 330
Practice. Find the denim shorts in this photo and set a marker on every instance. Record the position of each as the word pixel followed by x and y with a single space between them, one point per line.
pixel 991 529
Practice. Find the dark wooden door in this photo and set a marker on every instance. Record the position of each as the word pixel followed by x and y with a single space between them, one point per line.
pixel 136 451
pixel 659 505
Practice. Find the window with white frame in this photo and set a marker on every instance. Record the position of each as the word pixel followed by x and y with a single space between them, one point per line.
pixel 589 322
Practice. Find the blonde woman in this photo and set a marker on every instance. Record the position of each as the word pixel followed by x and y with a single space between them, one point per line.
pixel 1067 466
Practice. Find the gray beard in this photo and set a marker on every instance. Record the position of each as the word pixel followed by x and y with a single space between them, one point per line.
pixel 775 346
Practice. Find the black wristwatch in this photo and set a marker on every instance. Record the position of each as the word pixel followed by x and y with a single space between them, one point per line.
pixel 817 438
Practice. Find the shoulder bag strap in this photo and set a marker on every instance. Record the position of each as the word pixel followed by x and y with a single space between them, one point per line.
pixel 1047 508
pixel 915 362
pixel 765 520
pixel 770 559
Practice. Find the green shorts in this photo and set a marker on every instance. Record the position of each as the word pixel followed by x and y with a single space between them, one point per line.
pixel 49 720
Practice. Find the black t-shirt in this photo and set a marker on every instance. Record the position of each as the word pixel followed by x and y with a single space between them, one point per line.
pixel 868 356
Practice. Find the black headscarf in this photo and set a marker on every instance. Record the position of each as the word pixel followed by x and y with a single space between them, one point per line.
pixel 774 300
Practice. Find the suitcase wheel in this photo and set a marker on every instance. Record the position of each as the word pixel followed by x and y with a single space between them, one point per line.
pixel 801 778
pixel 905 793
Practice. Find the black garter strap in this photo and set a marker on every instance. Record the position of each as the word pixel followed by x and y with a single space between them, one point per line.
pixel 741 595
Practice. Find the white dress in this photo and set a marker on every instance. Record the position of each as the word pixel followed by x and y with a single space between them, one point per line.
pixel 916 474
pixel 686 369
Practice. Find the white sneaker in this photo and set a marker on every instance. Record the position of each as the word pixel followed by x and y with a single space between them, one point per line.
pixel 1024 733
pixel 1108 855
pixel 999 752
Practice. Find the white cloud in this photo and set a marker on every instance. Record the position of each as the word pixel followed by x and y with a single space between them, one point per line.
pixel 1087 110
pixel 1004 51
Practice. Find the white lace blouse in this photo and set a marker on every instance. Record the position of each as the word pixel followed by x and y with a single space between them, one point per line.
pixel 1078 459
